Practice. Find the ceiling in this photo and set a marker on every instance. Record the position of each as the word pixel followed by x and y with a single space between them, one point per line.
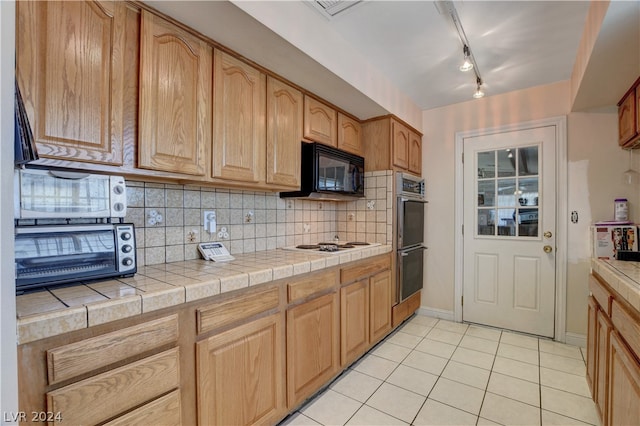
pixel 412 50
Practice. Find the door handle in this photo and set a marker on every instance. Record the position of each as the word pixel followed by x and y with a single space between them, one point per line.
pixel 548 234
pixel 547 249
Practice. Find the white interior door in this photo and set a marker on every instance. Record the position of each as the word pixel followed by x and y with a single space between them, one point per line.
pixel 510 230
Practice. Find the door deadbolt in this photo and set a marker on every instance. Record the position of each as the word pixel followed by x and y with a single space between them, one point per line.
pixel 547 249
pixel 548 234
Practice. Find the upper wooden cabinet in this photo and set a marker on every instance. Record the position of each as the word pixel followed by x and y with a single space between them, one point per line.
pixel 284 133
pixel 69 58
pixel 629 117
pixel 349 134
pixel 320 122
pixel 175 98
pixel 391 145
pixel 239 120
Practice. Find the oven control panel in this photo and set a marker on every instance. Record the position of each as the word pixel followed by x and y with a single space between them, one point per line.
pixel 126 253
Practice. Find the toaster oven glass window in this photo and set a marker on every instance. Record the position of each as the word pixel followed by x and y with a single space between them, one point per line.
pixel 507 192
pixel 51 255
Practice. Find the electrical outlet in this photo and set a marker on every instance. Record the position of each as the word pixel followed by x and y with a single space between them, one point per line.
pixel 209 221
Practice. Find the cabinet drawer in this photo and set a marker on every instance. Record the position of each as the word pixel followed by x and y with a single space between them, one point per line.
pixel 314 284
pixel 365 269
pixel 71 360
pixel 99 398
pixel 237 308
pixel 164 411
pixel 600 293
pixel 627 325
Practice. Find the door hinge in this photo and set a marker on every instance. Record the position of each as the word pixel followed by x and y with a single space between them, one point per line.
pixel 463 230
pixel 463 158
pixel 462 300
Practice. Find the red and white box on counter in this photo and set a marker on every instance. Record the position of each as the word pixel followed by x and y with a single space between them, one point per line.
pixel 608 238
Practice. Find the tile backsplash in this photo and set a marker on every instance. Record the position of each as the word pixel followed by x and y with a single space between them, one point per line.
pixel 169 219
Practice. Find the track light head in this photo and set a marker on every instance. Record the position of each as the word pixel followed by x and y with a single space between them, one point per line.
pixel 467 65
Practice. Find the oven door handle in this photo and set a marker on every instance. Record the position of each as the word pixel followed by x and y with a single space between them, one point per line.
pixel 417 200
pixel 406 252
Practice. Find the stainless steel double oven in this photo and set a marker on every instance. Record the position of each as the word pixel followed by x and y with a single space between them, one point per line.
pixel 410 194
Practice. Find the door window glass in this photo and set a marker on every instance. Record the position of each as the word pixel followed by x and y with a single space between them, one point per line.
pixel 508 192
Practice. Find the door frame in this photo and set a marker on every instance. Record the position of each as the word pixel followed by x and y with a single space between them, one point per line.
pixel 560 124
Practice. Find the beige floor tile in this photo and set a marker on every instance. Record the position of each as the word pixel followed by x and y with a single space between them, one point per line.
pixel 437 413
pixel 396 402
pixel 412 379
pixel 433 347
pixel 455 327
pixel 479 344
pixel 375 366
pixel 564 381
pixel 467 374
pixel 425 362
pixel 404 339
pixel 486 422
pixel 391 351
pixel 331 408
pixel 444 336
pixel 550 418
pixel 484 333
pixel 519 340
pixel 415 329
pixel 562 363
pixel 475 358
pixel 298 419
pixel 514 388
pixel 557 348
pixel 366 416
pixel 423 320
pixel 519 353
pixel 569 404
pixel 508 411
pixel 458 395
pixel 356 385
pixel 518 369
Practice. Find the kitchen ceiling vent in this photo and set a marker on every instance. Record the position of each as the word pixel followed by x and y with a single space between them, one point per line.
pixel 331 8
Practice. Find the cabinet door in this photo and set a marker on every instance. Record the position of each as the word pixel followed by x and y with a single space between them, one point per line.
pixel 380 305
pixel 175 98
pixel 592 342
pixel 627 125
pixel 70 69
pixel 624 385
pixel 284 133
pixel 239 120
pixel 240 374
pixel 415 153
pixel 603 331
pixel 320 122
pixel 349 135
pixel 399 145
pixel 354 321
pixel 313 346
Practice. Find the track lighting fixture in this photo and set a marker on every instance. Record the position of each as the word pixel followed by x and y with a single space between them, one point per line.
pixel 467 65
pixel 479 93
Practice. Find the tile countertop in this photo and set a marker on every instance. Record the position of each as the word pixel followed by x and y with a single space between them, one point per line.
pixel 63 309
pixel 622 276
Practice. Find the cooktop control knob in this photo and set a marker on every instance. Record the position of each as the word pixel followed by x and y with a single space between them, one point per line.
pixel 118 189
pixel 127 261
pixel 126 236
pixel 126 248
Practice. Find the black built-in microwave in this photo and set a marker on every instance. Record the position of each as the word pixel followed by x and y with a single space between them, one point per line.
pixel 329 173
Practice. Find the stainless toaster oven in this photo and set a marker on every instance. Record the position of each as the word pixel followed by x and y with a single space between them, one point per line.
pixel 59 254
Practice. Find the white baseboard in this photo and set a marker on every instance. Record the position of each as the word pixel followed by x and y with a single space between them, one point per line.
pixel 436 313
pixel 576 339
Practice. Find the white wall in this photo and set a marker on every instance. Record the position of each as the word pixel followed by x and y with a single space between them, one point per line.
pixel 591 137
pixel 8 357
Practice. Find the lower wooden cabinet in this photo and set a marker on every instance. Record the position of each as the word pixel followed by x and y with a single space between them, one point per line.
pixel 613 369
pixel 313 346
pixel 241 376
pixel 354 321
pixel 379 306
pixel 624 385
